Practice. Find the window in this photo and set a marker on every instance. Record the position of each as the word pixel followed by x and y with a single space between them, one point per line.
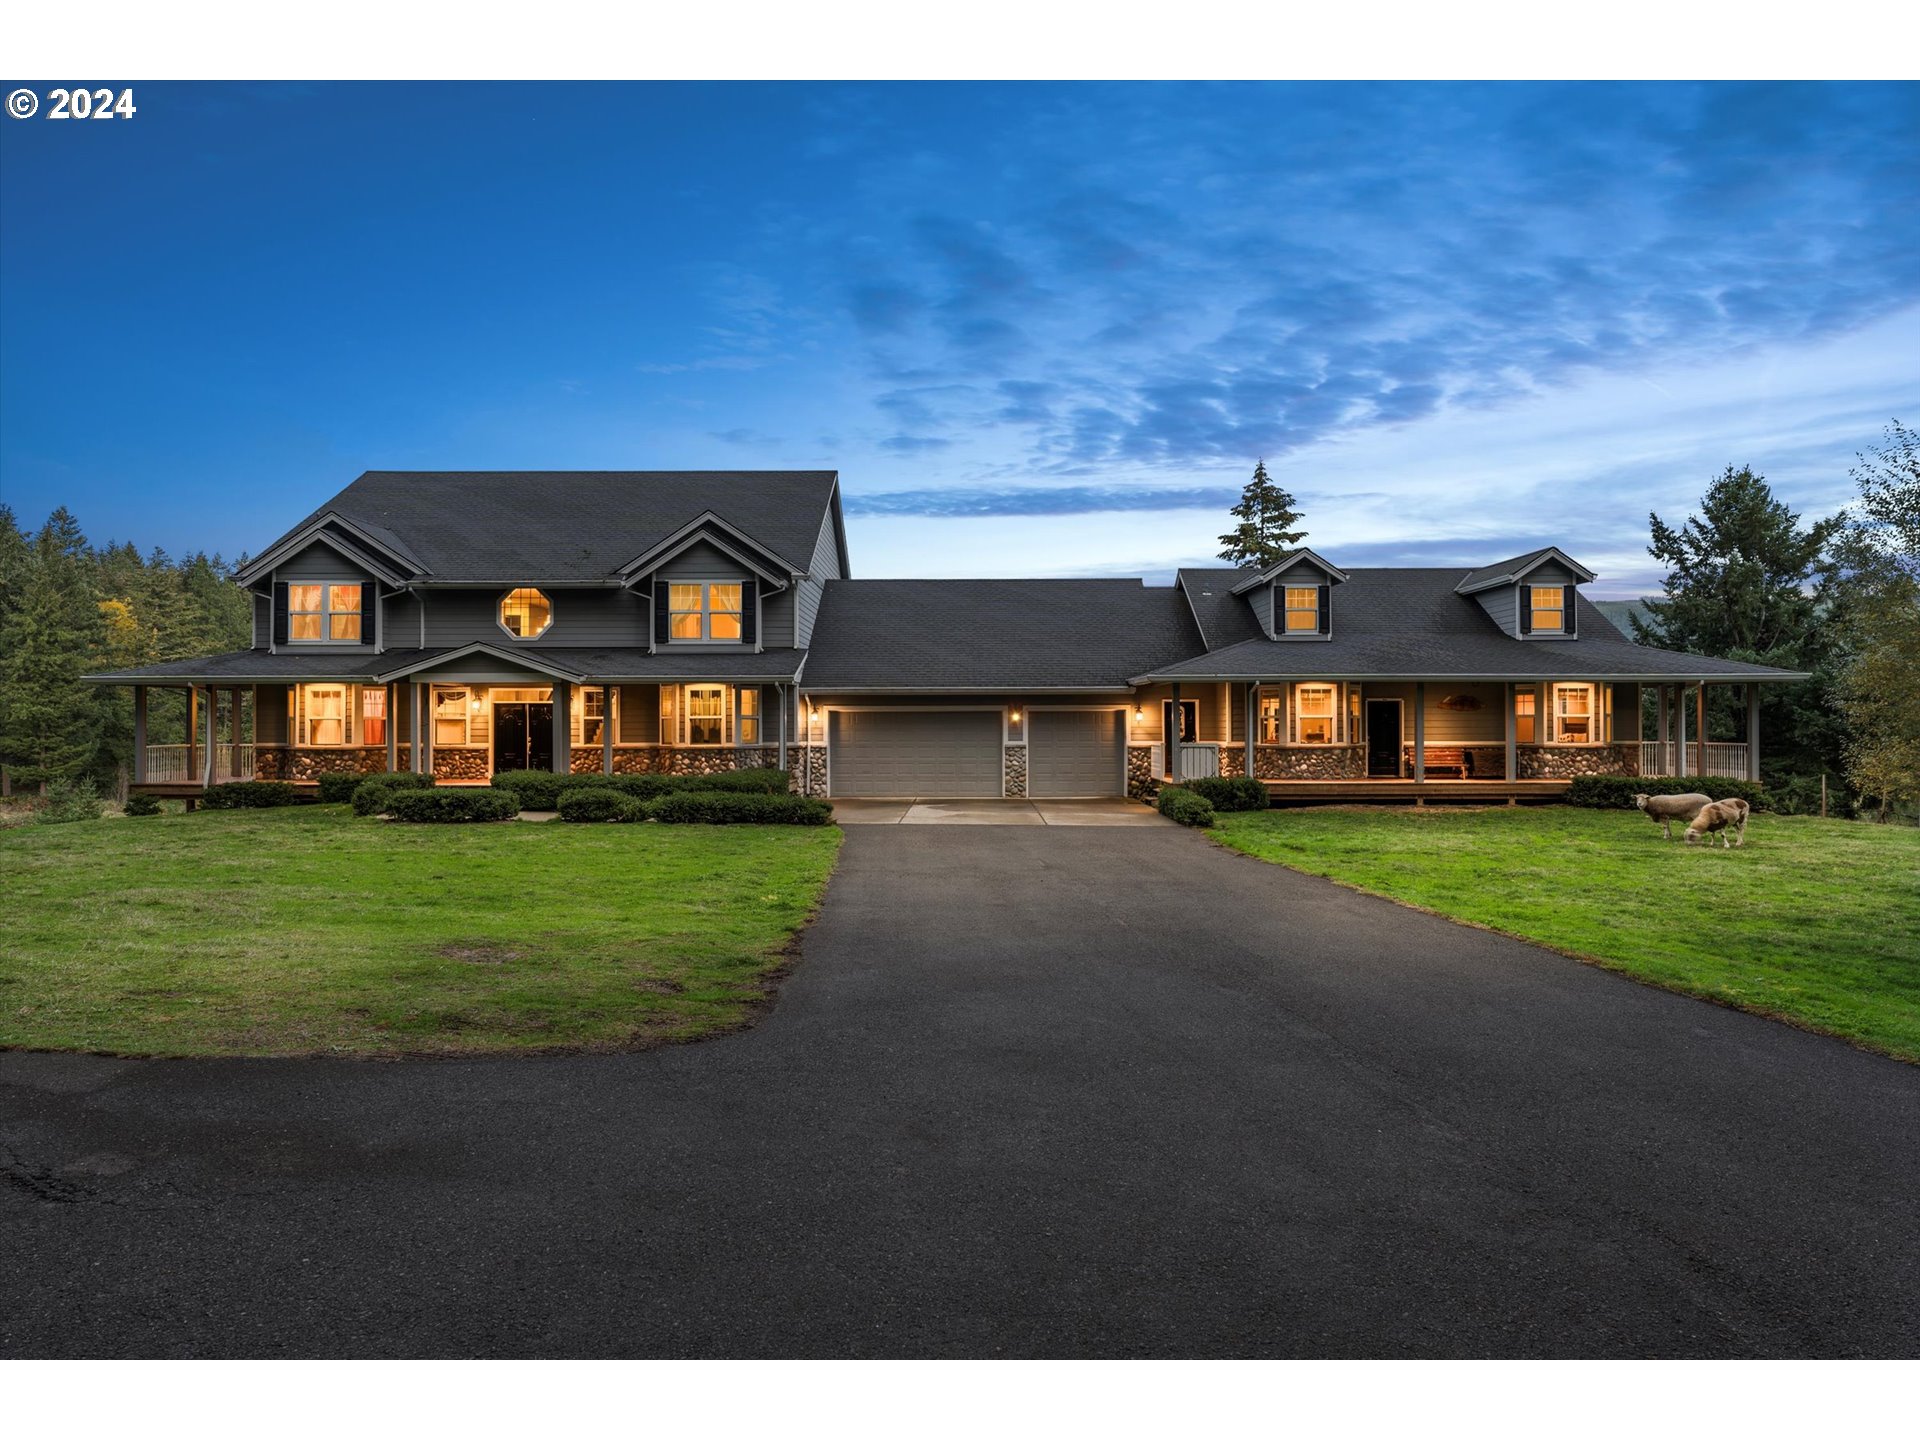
pixel 321 715
pixel 1189 720
pixel 1523 716
pixel 1544 603
pixel 1314 714
pixel 593 718
pixel 1273 719
pixel 1303 609
pixel 706 714
pixel 1573 715
pixel 698 610
pixel 525 613
pixel 323 614
pixel 749 731
pixel 373 715
pixel 450 715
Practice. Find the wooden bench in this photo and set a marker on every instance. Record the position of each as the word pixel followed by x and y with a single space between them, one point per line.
pixel 1452 758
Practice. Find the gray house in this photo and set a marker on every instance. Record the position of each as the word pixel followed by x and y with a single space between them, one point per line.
pixel 464 624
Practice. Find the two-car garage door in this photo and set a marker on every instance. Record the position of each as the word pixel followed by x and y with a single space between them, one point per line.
pixel 957 753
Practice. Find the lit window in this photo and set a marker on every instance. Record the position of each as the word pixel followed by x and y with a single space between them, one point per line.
pixel 318 614
pixel 1303 609
pixel 697 610
pixel 450 712
pixel 749 715
pixel 1544 602
pixel 321 715
pixel 1314 712
pixel 1573 715
pixel 1273 719
pixel 1523 716
pixel 706 709
pixel 593 718
pixel 373 715
pixel 525 613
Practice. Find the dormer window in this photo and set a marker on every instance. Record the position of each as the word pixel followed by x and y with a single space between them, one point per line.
pixel 525 613
pixel 1546 609
pixel 323 614
pixel 1303 609
pixel 700 610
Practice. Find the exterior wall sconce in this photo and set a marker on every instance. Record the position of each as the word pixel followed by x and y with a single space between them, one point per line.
pixel 1139 714
pixel 1014 715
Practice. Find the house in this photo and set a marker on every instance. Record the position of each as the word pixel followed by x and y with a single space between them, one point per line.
pixel 464 624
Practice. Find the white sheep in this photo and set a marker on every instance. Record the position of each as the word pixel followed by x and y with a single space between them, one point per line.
pixel 1663 810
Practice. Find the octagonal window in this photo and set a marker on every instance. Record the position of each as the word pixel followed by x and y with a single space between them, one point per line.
pixel 525 613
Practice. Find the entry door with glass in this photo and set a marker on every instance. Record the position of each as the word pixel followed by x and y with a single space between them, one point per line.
pixel 522 736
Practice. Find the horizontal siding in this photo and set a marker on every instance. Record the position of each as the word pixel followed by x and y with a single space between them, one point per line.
pixel 262 622
pixel 1448 727
pixel 639 715
pixel 824 565
pixel 1502 604
pixel 580 617
pixel 319 562
pixel 270 715
pixel 701 561
pixel 776 619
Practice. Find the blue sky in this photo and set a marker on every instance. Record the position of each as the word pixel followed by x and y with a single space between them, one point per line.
pixel 1039 329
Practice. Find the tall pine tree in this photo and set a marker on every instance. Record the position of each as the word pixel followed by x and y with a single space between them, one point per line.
pixel 1265 513
pixel 49 717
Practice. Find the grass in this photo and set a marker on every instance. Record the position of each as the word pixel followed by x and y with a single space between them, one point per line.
pixel 1813 922
pixel 306 931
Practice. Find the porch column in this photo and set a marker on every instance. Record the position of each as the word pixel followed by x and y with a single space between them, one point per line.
pixel 562 729
pixel 1419 731
pixel 1252 690
pixel 1172 736
pixel 1513 736
pixel 1680 730
pixel 1700 713
pixel 139 734
pixel 1660 728
pixel 393 726
pixel 413 727
pixel 213 715
pixel 780 691
pixel 426 729
pixel 606 730
pixel 193 731
pixel 233 734
pixel 1753 731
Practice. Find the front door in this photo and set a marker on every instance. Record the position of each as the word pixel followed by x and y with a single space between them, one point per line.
pixel 522 737
pixel 1383 737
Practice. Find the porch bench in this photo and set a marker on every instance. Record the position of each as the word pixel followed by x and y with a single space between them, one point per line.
pixel 1440 757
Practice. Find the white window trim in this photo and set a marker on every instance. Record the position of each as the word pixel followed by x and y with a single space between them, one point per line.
pixel 1286 610
pixel 682 718
pixel 741 718
pixel 706 612
pixel 1596 725
pixel 326 612
pixel 1559 632
pixel 302 721
pixel 499 618
pixel 1336 715
pixel 579 713
pixel 432 721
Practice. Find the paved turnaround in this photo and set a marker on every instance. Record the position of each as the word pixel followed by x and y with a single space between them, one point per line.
pixel 1029 1092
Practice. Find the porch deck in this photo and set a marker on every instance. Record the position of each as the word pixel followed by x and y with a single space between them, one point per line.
pixel 1420 792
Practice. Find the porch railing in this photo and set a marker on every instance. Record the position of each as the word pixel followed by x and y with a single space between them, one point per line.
pixel 167 764
pixel 1663 757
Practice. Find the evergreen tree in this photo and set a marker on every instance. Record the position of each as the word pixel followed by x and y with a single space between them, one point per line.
pixel 1265 512
pixel 1745 581
pixel 49 718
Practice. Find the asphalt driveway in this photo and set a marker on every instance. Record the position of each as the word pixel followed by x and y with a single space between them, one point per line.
pixel 1031 1091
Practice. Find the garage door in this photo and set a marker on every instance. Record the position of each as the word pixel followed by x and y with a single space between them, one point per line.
pixel 1076 752
pixel 953 754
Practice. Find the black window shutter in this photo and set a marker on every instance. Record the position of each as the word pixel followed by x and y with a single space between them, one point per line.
pixel 280 612
pixel 659 612
pixel 369 611
pixel 1566 610
pixel 1326 592
pixel 750 612
pixel 1525 602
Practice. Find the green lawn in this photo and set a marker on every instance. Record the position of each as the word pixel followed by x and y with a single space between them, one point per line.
pixel 306 931
pixel 1814 921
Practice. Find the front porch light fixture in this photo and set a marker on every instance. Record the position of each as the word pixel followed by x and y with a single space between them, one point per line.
pixel 1015 714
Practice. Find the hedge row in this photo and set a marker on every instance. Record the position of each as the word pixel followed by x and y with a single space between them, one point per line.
pixel 451 806
pixel 249 795
pixel 1616 792
pixel 594 804
pixel 541 789
pixel 1178 802
pixel 1239 793
pixel 338 789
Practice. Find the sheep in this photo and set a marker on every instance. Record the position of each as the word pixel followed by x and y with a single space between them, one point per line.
pixel 1723 818
pixel 1663 810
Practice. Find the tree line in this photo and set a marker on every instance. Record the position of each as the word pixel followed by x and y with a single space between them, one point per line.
pixel 69 608
pixel 1838 599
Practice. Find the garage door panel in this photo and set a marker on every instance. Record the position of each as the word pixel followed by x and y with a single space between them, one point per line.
pixel 1076 752
pixel 953 754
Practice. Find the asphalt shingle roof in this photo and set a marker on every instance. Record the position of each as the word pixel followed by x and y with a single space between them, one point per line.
pixel 995 634
pixel 558 525
pixel 245 666
pixel 1409 622
pixel 1225 618
pixel 1488 575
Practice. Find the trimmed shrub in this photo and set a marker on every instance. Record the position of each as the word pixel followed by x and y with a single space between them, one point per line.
pixel 585 804
pixel 374 797
pixel 725 807
pixel 540 789
pixel 141 805
pixel 1188 807
pixel 450 806
pixel 68 801
pixel 1239 793
pixel 250 795
pixel 338 789
pixel 767 781
pixel 1616 792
